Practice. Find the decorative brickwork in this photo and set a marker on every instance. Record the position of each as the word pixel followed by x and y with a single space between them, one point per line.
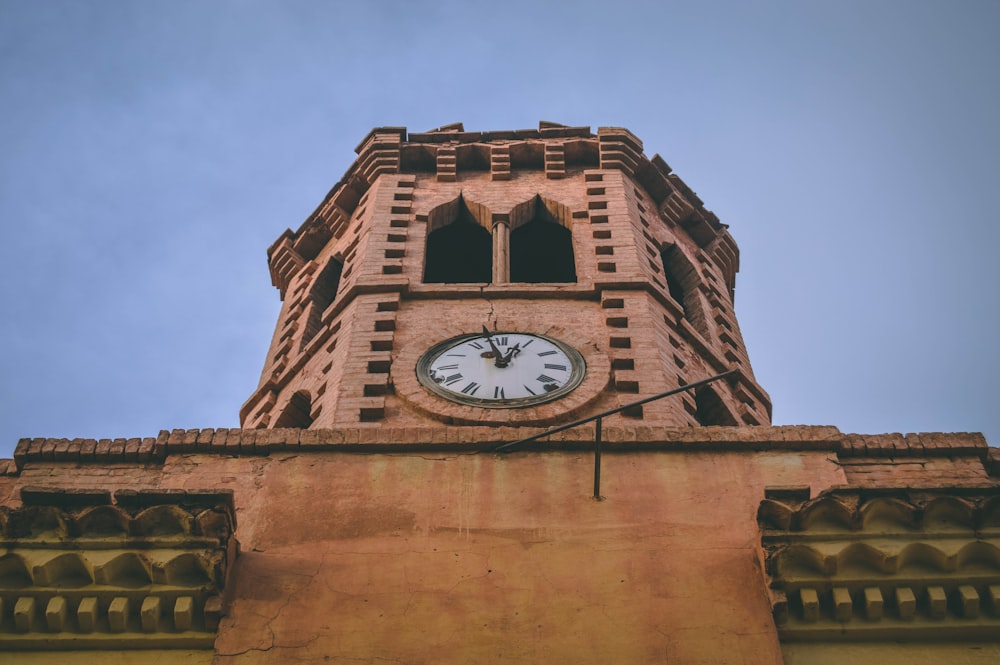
pixel 887 564
pixel 555 160
pixel 145 572
pixel 500 162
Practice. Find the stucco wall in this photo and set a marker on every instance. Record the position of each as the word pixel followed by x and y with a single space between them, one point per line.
pixel 461 558
pixel 451 556
pixel 480 558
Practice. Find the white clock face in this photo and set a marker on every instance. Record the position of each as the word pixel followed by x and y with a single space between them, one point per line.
pixel 501 369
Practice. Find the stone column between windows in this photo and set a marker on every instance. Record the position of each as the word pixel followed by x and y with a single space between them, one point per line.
pixel 501 249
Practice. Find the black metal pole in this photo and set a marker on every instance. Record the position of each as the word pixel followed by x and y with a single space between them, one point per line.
pixel 609 412
pixel 597 461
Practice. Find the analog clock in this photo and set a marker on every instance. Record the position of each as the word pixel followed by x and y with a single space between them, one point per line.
pixel 501 369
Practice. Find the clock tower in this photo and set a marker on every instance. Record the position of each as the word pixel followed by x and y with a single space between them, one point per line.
pixel 455 295
pixel 517 277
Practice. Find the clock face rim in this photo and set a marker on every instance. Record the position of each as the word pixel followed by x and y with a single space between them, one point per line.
pixel 578 371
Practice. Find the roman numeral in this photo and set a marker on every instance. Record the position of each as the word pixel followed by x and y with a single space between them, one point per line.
pixel 545 353
pixel 527 343
pixel 502 341
pixel 456 355
pixel 498 393
pixel 471 388
pixel 545 379
pixel 530 390
pixel 476 345
pixel 561 368
pixel 454 378
pixel 455 366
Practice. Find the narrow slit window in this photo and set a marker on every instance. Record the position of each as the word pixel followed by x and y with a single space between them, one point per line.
pixel 682 284
pixel 322 294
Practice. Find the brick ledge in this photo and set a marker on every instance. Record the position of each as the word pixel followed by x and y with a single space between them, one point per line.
pixel 402 439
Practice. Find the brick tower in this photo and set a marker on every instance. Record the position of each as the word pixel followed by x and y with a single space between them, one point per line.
pixel 549 235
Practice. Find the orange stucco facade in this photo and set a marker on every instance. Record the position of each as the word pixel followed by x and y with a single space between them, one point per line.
pixel 448 552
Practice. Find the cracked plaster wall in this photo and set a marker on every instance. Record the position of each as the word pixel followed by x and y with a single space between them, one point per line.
pixel 453 558
pixel 476 558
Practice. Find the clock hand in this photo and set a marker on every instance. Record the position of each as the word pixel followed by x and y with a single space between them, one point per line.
pixel 498 358
pixel 511 352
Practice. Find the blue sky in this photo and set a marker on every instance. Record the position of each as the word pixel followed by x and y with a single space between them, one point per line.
pixel 152 151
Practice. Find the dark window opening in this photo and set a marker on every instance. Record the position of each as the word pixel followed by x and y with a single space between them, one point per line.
pixel 673 268
pixel 459 253
pixel 541 251
pixel 297 413
pixel 322 295
pixel 710 410
pixel 673 279
pixel 682 284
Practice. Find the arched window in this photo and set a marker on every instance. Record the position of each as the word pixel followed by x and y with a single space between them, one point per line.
pixel 682 283
pixel 709 408
pixel 297 413
pixel 321 295
pixel 542 251
pixel 527 244
pixel 461 252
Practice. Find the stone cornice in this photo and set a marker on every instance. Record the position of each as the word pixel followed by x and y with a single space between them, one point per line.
pixel 905 563
pixel 85 569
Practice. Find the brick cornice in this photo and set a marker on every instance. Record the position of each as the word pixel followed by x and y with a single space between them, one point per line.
pixel 374 439
pixel 914 445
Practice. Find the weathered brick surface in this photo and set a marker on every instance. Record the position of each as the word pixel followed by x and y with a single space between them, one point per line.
pixel 993 462
pixel 916 472
pixel 925 443
pixel 916 460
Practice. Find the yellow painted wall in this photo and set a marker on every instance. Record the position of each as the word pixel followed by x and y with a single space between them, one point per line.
pixel 166 657
pixel 821 653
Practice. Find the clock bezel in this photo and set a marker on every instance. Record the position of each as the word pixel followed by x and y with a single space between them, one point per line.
pixel 578 367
